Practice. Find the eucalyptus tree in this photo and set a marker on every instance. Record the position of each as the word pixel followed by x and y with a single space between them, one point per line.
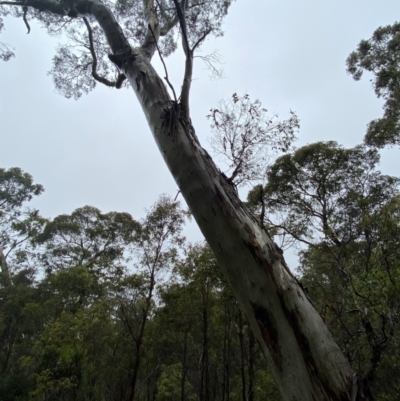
pixel 380 55
pixel 323 191
pixel 18 223
pixel 305 361
pixel 87 238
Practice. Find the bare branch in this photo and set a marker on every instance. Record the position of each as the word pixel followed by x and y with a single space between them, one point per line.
pixel 25 8
pixel 201 39
pixel 11 3
pixel 293 234
pixel 210 60
pixel 95 75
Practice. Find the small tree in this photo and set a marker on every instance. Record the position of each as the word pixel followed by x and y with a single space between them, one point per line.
pixel 246 139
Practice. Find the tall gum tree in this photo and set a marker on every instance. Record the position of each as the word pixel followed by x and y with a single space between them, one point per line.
pixel 304 359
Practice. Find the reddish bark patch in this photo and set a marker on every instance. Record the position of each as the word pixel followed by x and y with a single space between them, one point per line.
pixel 268 332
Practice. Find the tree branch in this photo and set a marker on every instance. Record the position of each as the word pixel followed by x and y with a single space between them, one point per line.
pixel 162 11
pixel 95 75
pixel 182 21
pixel 201 39
pixel 25 8
pixel 187 79
pixel 153 29
pixel 114 34
pixel 169 25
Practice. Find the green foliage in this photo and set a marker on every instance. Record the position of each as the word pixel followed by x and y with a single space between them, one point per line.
pixel 75 60
pixel 16 188
pixel 18 224
pixel 122 308
pixel 324 192
pixel 87 237
pixel 169 384
pixel 380 55
pixel 128 307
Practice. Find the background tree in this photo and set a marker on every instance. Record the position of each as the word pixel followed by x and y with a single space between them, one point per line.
pixel 18 223
pixel 380 55
pixel 323 191
pixel 61 332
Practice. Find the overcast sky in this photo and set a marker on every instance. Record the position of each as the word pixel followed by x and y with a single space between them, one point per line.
pixel 99 151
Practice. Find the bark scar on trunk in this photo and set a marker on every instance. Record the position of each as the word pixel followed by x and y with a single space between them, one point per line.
pixel 268 332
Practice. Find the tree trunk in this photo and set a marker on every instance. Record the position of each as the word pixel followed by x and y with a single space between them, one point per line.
pixel 226 354
pixel 305 361
pixel 204 379
pixel 242 354
pixel 252 352
pixel 184 364
pixel 139 341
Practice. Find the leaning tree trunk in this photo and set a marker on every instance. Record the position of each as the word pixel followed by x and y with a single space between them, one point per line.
pixel 305 361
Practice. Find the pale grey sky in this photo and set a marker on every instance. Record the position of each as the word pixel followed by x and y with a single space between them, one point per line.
pixel 99 151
